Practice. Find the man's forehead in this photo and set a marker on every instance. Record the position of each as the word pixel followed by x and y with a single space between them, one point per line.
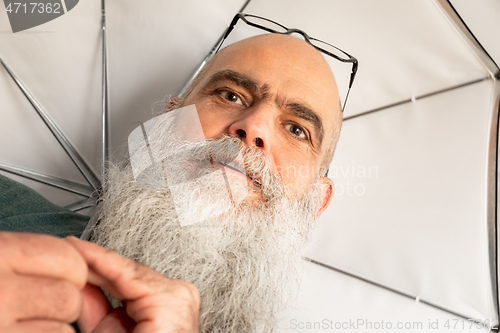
pixel 274 59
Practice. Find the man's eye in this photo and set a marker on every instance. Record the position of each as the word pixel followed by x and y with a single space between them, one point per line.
pixel 297 131
pixel 231 97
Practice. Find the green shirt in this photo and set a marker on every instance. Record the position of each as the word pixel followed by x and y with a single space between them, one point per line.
pixel 23 209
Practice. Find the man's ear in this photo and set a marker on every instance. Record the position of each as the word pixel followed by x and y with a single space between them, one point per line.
pixel 173 102
pixel 326 188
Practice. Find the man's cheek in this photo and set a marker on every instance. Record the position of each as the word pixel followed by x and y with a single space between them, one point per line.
pixel 213 126
pixel 297 178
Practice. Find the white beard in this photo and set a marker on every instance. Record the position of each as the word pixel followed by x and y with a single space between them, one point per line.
pixel 245 261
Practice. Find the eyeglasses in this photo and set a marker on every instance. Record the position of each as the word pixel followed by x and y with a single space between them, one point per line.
pixel 274 27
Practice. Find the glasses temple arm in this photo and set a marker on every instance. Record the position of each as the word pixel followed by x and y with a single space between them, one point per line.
pixel 228 31
pixel 353 73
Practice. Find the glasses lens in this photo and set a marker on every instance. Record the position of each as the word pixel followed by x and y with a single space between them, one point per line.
pixel 330 48
pixel 266 24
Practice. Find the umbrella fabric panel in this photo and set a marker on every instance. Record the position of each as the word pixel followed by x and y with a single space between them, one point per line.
pixel 25 140
pixel 410 210
pixel 405 48
pixel 340 303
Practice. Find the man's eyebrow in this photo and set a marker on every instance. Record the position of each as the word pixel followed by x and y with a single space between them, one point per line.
pixel 308 115
pixel 234 77
pixel 245 82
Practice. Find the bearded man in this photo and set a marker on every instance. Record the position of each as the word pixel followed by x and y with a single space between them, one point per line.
pixel 213 243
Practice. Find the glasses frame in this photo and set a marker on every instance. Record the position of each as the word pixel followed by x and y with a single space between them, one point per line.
pixel 348 59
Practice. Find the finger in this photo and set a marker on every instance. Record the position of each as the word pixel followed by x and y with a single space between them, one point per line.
pixel 30 297
pixel 95 307
pixel 152 301
pixel 116 321
pixel 41 326
pixel 116 274
pixel 42 255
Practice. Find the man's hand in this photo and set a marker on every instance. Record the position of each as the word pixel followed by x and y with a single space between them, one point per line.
pixel 40 282
pixel 46 283
pixel 152 302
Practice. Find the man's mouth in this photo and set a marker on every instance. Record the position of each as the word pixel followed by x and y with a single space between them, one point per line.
pixel 233 169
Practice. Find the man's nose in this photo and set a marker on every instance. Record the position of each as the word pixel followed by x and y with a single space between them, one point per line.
pixel 255 127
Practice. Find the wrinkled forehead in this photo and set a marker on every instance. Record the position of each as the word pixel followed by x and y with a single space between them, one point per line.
pixel 275 57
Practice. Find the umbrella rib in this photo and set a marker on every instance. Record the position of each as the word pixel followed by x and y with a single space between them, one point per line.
pixel 384 287
pixel 492 207
pixel 80 205
pixel 105 105
pixel 70 150
pixel 59 183
pixel 470 39
pixel 208 56
pixel 412 100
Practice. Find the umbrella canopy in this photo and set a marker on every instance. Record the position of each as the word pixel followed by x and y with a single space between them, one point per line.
pixel 414 215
